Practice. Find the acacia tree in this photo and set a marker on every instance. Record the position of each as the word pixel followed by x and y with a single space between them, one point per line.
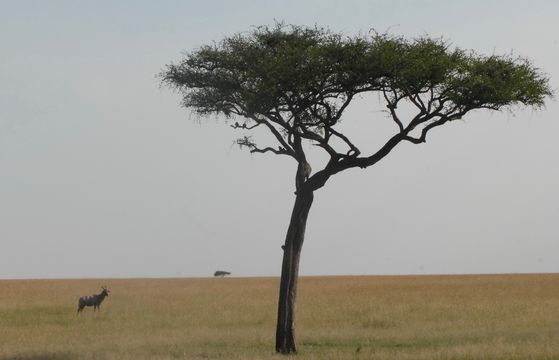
pixel 296 82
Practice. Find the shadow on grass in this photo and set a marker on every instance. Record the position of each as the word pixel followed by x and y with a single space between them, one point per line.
pixel 410 344
pixel 48 356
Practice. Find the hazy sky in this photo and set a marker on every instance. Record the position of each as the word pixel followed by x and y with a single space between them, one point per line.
pixel 103 174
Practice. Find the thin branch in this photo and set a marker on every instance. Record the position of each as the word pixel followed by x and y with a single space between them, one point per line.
pixel 279 136
pixel 278 151
pixel 259 121
pixel 442 120
pixel 431 99
pixel 245 126
pixel 354 151
pixel 392 108
pixel 247 142
pixel 416 100
pixel 421 103
pixel 343 107
pixel 300 130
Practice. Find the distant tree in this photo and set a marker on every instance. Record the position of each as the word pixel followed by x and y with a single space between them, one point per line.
pixel 296 82
pixel 221 273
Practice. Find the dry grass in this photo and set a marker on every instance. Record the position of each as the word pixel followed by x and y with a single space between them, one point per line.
pixel 423 317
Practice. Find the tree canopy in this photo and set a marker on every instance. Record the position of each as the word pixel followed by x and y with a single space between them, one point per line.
pixel 297 82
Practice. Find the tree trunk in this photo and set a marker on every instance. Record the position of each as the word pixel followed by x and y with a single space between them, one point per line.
pixel 285 332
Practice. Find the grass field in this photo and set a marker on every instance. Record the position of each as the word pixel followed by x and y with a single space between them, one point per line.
pixel 408 317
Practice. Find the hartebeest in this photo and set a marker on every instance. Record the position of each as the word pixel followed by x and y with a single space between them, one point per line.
pixel 93 300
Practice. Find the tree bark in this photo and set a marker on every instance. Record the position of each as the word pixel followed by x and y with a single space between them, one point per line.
pixel 285 331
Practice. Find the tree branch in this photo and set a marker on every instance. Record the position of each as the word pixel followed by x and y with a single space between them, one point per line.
pixel 245 126
pixel 442 120
pixel 353 150
pixel 279 136
pixel 391 105
pixel 247 142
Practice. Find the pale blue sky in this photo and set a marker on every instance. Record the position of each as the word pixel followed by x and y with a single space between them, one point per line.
pixel 102 174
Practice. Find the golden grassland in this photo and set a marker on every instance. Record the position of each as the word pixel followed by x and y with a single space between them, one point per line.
pixel 365 317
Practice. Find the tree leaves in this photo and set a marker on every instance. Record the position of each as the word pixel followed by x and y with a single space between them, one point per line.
pixel 298 81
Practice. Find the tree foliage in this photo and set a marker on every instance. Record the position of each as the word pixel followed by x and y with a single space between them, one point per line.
pixel 297 82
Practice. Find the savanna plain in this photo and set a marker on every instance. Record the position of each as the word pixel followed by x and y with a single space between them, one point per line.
pixel 361 317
